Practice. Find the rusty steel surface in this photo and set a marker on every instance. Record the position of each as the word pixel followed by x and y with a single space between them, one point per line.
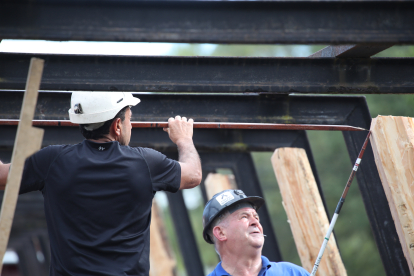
pixel 207 125
pixel 212 74
pixel 301 22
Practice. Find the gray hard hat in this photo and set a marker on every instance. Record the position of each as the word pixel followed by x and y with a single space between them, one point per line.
pixel 221 202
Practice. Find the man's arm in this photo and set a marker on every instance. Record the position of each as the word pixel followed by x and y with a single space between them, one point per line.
pixel 4 172
pixel 181 134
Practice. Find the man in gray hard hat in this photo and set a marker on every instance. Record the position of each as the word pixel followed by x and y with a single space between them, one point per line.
pixel 98 194
pixel 231 223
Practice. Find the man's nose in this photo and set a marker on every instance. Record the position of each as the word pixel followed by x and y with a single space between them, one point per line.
pixel 254 221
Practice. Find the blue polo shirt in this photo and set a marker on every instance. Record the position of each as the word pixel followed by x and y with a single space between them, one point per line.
pixel 268 269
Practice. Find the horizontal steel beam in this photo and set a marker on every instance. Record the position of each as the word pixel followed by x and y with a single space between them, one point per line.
pixel 212 74
pixel 251 108
pixel 323 22
pixel 269 108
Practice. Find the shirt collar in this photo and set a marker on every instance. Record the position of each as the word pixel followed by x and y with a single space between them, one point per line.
pixel 219 270
pixel 99 146
pixel 266 263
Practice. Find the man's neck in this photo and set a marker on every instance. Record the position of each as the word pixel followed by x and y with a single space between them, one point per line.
pixel 242 265
pixel 105 139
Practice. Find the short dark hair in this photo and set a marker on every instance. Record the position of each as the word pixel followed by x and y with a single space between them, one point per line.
pixel 216 222
pixel 103 130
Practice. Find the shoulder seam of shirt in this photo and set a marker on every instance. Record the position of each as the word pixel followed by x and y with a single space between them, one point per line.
pixel 51 163
pixel 149 170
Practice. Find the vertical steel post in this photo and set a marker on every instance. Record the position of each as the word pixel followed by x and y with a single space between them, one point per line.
pixel 373 195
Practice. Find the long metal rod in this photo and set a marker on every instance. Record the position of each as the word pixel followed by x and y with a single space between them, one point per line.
pixel 204 125
pixel 339 206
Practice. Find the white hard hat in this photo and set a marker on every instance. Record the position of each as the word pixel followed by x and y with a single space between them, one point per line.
pixel 97 107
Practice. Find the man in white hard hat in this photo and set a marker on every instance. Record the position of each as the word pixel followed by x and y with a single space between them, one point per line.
pixel 98 194
pixel 231 223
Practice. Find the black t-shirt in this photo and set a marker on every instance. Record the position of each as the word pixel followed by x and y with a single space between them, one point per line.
pixel 98 199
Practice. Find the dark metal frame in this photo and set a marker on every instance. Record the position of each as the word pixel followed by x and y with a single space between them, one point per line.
pixel 213 74
pixel 340 69
pixel 255 22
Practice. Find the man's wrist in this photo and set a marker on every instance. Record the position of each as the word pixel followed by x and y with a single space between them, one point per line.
pixel 184 141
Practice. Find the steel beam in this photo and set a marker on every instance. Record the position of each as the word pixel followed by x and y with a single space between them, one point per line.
pixel 351 51
pixel 246 108
pixel 212 74
pixel 375 201
pixel 185 234
pixel 256 22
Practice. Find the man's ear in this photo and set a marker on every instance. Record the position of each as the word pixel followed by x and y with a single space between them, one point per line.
pixel 116 127
pixel 220 233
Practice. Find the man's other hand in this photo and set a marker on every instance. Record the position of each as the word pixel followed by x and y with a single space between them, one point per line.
pixel 4 172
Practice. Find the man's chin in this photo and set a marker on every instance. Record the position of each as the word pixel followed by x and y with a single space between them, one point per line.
pixel 257 240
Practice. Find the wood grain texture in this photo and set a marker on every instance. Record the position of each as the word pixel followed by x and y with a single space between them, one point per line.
pixel 161 260
pixel 305 211
pixel 392 142
pixel 216 183
pixel 28 141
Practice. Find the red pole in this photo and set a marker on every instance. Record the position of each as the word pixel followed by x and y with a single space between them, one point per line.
pixel 211 125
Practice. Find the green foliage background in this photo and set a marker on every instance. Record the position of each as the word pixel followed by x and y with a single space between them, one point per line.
pixel 352 231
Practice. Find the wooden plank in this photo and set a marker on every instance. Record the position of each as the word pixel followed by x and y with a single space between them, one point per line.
pixel 392 142
pixel 28 141
pixel 305 211
pixel 216 183
pixel 161 260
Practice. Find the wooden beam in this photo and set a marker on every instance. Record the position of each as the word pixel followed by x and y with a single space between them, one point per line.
pixel 392 142
pixel 161 261
pixel 305 211
pixel 216 183
pixel 28 141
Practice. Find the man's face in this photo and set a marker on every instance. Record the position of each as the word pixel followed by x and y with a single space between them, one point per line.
pixel 244 229
pixel 126 128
